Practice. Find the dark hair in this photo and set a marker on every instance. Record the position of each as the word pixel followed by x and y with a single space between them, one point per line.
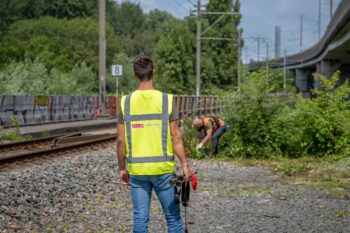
pixel 143 68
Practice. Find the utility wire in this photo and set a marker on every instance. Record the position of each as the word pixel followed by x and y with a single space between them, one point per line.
pixel 187 10
pixel 190 2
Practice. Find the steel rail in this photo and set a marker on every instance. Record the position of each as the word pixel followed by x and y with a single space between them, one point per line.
pixel 28 142
pixel 50 150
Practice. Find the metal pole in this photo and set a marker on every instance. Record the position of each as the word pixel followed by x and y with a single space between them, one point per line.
pixel 301 32
pixel 267 62
pixel 117 86
pixel 102 54
pixel 117 94
pixel 258 48
pixel 284 72
pixel 330 10
pixel 319 19
pixel 277 42
pixel 198 50
pixel 239 60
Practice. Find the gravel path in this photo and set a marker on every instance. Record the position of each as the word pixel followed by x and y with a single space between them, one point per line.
pixel 81 193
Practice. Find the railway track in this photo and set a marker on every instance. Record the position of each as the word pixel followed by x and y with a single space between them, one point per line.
pixel 49 145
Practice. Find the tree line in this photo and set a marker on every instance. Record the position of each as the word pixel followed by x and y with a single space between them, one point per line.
pixel 51 47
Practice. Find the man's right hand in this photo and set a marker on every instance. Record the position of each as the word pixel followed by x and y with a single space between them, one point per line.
pixel 187 172
pixel 124 177
pixel 199 146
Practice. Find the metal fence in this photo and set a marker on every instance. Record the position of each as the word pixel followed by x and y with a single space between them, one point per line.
pixel 48 109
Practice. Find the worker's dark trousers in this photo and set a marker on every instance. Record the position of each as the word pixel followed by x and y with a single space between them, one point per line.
pixel 215 139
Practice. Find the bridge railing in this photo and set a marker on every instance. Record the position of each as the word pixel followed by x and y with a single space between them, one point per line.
pixel 27 109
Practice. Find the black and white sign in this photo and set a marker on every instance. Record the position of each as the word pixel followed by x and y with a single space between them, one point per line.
pixel 117 70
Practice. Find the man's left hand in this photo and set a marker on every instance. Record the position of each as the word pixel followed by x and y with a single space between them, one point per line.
pixel 124 177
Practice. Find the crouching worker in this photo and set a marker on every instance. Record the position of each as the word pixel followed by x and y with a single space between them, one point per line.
pixel 148 138
pixel 214 128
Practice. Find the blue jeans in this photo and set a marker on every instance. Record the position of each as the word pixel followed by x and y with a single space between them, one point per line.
pixel 141 191
pixel 215 139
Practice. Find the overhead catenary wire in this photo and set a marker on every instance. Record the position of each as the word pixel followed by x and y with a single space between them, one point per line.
pixel 191 2
pixel 180 4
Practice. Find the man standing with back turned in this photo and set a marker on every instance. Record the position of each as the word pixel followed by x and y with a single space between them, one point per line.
pixel 148 136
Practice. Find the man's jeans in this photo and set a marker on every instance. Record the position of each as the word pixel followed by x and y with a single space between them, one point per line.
pixel 215 139
pixel 141 191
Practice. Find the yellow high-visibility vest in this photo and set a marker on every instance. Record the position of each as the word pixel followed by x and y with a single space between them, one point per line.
pixel 149 149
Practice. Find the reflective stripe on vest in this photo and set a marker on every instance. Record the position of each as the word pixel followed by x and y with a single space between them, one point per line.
pixel 163 117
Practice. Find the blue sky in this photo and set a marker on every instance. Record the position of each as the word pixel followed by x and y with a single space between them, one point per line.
pixel 259 18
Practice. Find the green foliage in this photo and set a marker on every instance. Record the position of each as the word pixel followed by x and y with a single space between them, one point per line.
pixel 128 19
pixel 190 139
pixel 66 46
pixel 14 10
pixel 63 33
pixel 33 78
pixel 320 126
pixel 59 43
pixel 262 125
pixel 28 77
pixel 127 83
pixel 139 32
pixel 174 56
pixel 175 52
pixel 250 116
pixel 13 134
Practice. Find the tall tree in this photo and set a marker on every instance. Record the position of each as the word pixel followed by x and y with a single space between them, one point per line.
pixel 14 10
pixel 174 57
pixel 139 32
pixel 129 18
pixel 59 43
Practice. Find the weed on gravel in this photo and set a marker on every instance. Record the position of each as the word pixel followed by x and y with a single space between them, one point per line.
pixel 329 174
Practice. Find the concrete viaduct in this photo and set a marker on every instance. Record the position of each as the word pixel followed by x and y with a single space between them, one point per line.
pixel 330 54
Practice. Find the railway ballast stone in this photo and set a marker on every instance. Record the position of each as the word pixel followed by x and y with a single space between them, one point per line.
pixel 81 193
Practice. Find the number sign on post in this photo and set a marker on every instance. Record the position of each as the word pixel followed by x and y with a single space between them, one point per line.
pixel 117 70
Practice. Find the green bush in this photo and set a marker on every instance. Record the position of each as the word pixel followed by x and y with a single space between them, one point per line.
pixel 189 138
pixel 263 125
pixel 33 78
pixel 319 126
pixel 13 134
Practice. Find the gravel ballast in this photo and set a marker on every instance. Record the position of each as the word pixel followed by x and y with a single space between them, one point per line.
pixel 82 193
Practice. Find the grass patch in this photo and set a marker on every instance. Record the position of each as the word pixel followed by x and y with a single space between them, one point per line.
pixel 13 134
pixel 45 133
pixel 331 173
pixel 243 191
pixel 342 214
pixel 14 137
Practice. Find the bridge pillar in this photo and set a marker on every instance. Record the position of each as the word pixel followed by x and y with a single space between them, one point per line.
pixel 301 78
pixel 328 68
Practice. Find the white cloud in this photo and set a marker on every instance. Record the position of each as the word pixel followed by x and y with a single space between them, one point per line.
pixel 148 5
